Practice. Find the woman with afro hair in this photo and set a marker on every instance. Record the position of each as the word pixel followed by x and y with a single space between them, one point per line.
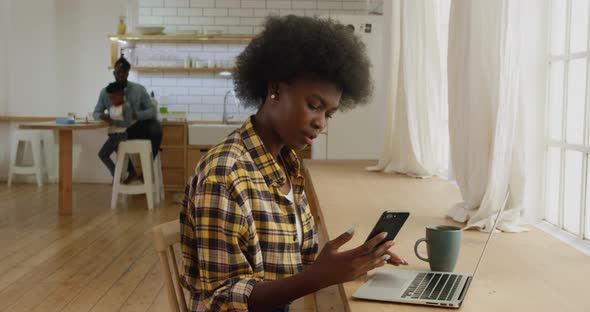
pixel 248 238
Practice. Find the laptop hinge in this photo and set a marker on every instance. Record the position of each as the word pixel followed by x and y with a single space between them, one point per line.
pixel 464 291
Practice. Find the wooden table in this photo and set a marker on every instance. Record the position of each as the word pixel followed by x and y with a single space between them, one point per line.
pixel 529 271
pixel 65 156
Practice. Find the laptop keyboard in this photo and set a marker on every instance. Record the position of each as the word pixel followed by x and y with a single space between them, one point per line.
pixel 433 286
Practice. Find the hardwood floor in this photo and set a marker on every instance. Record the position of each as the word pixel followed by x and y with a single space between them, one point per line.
pixel 98 259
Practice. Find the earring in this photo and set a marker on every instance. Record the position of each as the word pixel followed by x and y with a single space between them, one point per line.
pixel 272 96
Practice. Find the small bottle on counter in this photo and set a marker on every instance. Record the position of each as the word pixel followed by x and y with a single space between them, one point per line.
pixel 122 28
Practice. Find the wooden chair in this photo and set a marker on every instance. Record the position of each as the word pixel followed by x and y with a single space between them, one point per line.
pixel 165 236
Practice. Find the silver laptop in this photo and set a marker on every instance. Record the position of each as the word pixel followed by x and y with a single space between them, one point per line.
pixel 441 289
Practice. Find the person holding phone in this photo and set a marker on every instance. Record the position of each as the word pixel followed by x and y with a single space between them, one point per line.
pixel 248 238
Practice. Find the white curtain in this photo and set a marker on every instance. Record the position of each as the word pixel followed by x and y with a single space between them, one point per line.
pixel 485 127
pixel 416 140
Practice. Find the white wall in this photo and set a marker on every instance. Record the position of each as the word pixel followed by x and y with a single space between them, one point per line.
pixel 4 25
pixel 58 63
pixel 4 104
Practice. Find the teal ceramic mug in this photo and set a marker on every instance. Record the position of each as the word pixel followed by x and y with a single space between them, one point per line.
pixel 442 245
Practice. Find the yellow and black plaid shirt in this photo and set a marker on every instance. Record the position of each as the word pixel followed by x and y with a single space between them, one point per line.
pixel 236 226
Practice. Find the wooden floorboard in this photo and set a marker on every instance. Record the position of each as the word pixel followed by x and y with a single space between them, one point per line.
pixel 95 260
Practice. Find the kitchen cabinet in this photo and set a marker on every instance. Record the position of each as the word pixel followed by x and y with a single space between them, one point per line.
pixel 173 155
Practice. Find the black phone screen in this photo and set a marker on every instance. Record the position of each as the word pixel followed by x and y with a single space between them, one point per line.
pixel 390 222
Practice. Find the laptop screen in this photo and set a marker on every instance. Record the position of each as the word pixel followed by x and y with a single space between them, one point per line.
pixel 492 230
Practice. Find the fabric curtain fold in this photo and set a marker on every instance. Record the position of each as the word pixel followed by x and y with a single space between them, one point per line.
pixel 484 63
pixel 416 137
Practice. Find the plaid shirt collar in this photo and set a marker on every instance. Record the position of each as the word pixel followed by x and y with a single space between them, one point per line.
pixel 268 166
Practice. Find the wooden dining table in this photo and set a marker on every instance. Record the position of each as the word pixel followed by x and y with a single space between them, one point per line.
pixel 65 142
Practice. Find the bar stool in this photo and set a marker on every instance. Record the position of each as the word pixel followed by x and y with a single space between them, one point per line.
pixel 16 156
pixel 152 186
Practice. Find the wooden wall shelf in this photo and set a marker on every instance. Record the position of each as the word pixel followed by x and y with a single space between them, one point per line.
pixel 216 38
pixel 181 69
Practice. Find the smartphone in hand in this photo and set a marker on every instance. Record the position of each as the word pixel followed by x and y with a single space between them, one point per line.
pixel 390 222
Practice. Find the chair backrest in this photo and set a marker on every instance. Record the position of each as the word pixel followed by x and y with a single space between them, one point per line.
pixel 165 236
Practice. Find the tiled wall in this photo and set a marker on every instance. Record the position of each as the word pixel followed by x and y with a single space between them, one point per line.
pixel 201 95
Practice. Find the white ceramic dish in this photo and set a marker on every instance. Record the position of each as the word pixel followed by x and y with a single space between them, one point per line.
pixel 150 30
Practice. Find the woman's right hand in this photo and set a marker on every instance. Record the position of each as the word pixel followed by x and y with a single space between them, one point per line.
pixel 334 267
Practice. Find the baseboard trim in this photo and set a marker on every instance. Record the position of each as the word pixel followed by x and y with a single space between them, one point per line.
pixel 570 239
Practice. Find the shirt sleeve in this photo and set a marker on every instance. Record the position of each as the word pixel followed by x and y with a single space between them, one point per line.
pixel 101 105
pixel 225 250
pixel 146 108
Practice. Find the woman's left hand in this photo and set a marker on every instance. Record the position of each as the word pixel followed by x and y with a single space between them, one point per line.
pixel 395 259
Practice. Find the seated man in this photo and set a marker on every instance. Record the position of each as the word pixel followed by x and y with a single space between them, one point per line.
pixel 146 125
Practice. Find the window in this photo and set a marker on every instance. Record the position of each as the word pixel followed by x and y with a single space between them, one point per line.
pixel 567 167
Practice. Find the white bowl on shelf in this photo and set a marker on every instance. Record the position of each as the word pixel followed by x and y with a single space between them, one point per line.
pixel 150 30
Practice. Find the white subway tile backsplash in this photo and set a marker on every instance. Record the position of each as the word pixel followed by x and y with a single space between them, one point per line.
pixel 354 5
pixel 176 3
pixel 241 12
pixel 215 47
pixel 329 5
pixel 145 11
pixel 221 91
pixel 193 28
pixel 189 82
pixel 240 30
pixel 317 12
pixel 189 47
pixel 304 5
pixel 205 20
pixel 177 108
pixel 261 4
pixel 189 99
pixel 176 20
pixel 253 21
pixel 236 47
pixel 341 12
pixel 201 108
pixel 227 21
pixel 176 75
pixel 276 4
pixel 190 12
pixel 201 94
pixel 202 3
pixel 227 3
pixel 170 29
pixel 151 3
pixel 212 99
pixel 215 12
pixel 291 12
pixel 214 82
pixel 265 12
pixel 178 91
pixel 163 82
pixel 202 91
pixel 164 11
pixel 151 20
pixel 167 99
pixel 151 75
pixel 145 81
